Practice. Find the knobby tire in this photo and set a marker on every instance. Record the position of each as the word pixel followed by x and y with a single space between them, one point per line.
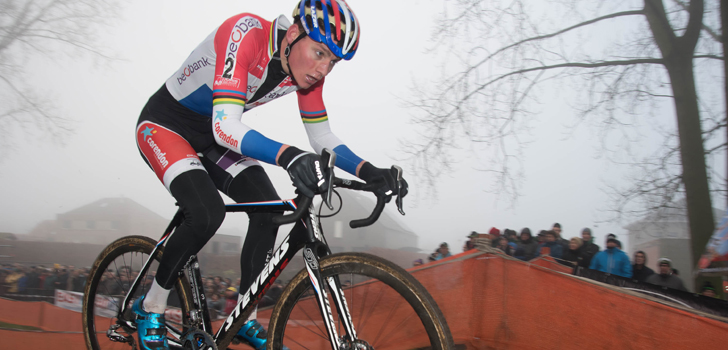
pixel 377 268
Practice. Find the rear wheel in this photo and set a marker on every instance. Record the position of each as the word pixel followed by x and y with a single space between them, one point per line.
pixel 389 308
pixel 108 282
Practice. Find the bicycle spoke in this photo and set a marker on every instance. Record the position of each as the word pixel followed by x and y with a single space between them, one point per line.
pixel 123 260
pixel 380 303
pixel 366 316
pixel 118 281
pixel 308 329
pixel 311 319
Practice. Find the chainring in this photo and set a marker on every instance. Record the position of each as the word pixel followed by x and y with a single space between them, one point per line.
pixel 195 339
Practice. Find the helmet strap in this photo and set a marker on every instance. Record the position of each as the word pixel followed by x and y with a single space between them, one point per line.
pixel 287 52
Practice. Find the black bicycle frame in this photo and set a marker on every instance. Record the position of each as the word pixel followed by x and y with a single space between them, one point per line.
pixel 306 234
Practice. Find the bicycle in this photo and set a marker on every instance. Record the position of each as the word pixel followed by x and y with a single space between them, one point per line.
pixel 348 280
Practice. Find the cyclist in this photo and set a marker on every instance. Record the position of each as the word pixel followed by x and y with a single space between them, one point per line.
pixel 191 134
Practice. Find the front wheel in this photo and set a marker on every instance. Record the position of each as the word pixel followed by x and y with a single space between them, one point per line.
pixel 389 309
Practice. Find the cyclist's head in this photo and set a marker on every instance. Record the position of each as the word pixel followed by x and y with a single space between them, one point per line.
pixel 336 26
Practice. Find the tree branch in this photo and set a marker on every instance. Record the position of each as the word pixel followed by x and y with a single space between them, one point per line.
pixel 717 37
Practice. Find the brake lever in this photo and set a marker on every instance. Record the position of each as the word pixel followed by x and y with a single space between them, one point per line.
pixel 328 157
pixel 398 175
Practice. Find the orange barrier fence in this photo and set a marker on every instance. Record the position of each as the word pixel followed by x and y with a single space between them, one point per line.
pixel 40 314
pixel 551 263
pixel 36 340
pixel 503 303
pixel 489 302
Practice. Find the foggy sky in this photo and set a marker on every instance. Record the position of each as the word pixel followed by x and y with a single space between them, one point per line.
pixel 39 178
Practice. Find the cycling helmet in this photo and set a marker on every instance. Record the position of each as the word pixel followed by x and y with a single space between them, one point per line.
pixel 337 27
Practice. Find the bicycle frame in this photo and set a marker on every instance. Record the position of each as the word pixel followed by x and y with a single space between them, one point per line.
pixel 306 235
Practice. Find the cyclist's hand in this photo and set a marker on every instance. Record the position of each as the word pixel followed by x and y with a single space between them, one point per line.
pixel 386 180
pixel 305 170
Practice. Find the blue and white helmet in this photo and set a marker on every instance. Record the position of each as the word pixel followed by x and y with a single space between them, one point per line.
pixel 337 26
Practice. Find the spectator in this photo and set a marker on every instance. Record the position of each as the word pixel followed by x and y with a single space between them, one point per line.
pixel 494 234
pixel 612 260
pixel 216 305
pixel 31 283
pixel 272 295
pixel 666 278
pixel 708 290
pixel 610 236
pixel 527 247
pixel 109 284
pixel 556 250
pixel 440 253
pixel 470 243
pixel 541 237
pixel 574 256
pixel 231 299
pixel 12 279
pixel 49 284
pixel 502 244
pixel 23 281
pixel 76 280
pixel 418 262
pixel 511 237
pixel 61 278
pixel 559 239
pixel 588 249
pixel 640 271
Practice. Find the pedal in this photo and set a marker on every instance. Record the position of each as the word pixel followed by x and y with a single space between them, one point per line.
pixel 115 336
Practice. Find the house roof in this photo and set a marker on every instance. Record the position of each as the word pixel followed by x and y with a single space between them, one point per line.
pixel 114 207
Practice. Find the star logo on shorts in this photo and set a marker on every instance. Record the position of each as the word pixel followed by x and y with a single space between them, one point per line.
pixel 147 132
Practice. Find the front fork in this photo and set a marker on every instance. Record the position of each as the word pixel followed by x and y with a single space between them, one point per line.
pixel 311 259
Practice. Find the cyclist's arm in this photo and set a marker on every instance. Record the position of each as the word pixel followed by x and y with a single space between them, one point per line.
pixel 237 42
pixel 316 122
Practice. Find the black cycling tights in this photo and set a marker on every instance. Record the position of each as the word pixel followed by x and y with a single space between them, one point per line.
pixel 204 212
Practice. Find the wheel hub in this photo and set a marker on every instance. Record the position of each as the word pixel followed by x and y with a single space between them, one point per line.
pixel 355 345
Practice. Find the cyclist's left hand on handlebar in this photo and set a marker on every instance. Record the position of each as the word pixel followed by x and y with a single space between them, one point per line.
pixel 385 178
pixel 306 171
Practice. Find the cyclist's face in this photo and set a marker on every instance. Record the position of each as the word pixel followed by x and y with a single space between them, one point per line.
pixel 310 61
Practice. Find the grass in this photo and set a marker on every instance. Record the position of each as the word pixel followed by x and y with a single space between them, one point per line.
pixel 18 327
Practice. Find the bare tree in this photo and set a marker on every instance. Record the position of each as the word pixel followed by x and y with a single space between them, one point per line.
pixel 43 28
pixel 619 59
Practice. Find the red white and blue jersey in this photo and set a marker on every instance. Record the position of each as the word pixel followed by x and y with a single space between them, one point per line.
pixel 227 70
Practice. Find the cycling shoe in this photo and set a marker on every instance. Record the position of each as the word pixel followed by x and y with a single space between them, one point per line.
pixel 254 335
pixel 150 327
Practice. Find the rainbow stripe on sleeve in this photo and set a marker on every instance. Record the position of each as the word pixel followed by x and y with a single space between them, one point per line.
pixel 314 117
pixel 220 96
pixel 273 38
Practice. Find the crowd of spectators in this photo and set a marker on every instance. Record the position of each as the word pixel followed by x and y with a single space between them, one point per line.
pixel 577 252
pixel 39 282
pixel 21 280
pixel 440 253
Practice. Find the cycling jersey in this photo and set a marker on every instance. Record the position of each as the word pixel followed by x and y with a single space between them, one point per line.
pixel 236 68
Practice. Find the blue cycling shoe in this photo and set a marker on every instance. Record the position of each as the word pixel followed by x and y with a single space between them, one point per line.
pixel 254 335
pixel 150 327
